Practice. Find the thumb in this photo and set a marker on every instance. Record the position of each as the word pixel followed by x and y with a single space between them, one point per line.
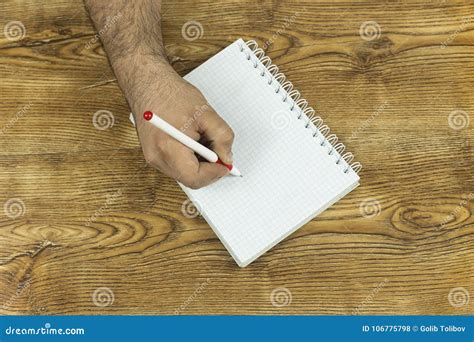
pixel 218 133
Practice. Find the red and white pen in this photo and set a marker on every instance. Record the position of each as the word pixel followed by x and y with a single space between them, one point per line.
pixel 202 150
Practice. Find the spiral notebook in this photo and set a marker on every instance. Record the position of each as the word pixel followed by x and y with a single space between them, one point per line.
pixel 293 169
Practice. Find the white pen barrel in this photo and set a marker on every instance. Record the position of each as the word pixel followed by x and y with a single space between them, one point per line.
pixel 184 139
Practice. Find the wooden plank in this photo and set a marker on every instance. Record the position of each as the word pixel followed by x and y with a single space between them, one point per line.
pixel 95 216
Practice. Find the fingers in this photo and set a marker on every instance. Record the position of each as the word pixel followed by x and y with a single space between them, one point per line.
pixel 218 133
pixel 176 160
pixel 179 162
pixel 207 173
pixel 195 174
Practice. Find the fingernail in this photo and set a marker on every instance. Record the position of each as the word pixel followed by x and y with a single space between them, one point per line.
pixel 228 158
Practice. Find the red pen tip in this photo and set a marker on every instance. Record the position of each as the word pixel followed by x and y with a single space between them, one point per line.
pixel 147 115
pixel 228 166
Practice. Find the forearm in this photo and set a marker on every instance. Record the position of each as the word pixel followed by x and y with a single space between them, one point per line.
pixel 131 34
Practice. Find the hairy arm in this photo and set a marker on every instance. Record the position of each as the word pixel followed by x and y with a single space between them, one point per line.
pixel 131 34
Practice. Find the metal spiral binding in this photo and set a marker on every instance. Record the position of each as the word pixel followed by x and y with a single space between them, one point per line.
pixel 293 97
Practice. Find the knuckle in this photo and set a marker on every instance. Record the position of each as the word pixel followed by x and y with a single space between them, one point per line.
pixel 150 158
pixel 193 92
pixel 164 150
pixel 231 134
pixel 194 186
pixel 225 134
pixel 190 182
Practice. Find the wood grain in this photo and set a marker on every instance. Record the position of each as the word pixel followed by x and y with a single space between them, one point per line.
pixel 94 215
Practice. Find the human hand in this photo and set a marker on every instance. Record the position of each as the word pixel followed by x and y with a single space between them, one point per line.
pixel 183 106
pixel 134 46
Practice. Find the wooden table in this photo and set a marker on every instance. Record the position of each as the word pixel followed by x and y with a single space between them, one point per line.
pixel 88 228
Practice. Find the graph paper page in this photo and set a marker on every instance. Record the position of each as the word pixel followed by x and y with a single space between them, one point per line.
pixel 288 177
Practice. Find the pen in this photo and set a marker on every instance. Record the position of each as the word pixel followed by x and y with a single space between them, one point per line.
pixel 202 150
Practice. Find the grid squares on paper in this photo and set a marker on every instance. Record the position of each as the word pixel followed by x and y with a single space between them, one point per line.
pixel 288 177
